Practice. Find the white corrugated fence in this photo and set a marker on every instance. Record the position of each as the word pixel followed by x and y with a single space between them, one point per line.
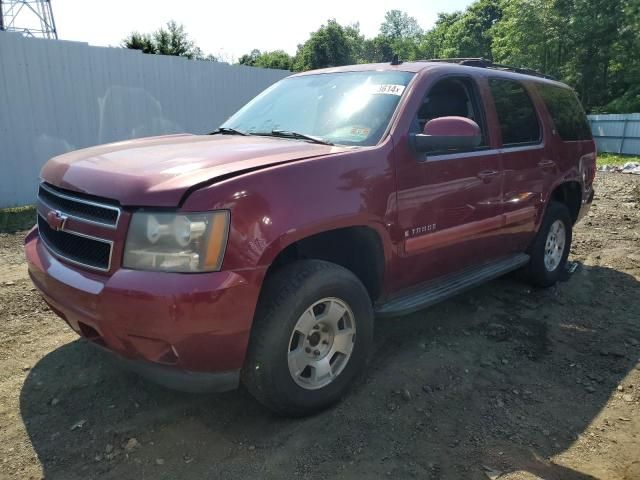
pixel 617 133
pixel 57 96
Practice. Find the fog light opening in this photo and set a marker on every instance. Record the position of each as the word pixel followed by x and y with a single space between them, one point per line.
pixel 91 334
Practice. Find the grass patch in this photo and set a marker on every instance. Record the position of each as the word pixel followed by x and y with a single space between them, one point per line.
pixel 17 218
pixel 615 159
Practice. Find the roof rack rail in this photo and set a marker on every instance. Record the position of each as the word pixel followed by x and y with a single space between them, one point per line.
pixel 484 63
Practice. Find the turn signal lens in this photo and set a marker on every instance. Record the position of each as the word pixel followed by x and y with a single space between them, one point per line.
pixel 217 242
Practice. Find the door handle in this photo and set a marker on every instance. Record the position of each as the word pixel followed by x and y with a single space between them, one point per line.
pixel 546 165
pixel 487 175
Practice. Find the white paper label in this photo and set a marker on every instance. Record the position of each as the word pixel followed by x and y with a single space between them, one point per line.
pixel 387 89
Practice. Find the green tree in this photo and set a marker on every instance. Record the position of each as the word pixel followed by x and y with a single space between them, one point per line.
pixel 471 34
pixel 249 59
pixel 624 72
pixel 533 33
pixel 172 40
pixel 585 43
pixel 276 59
pixel 356 42
pixel 591 45
pixel 600 59
pixel 399 25
pixel 329 46
pixel 139 41
pixel 378 49
pixel 401 34
pixel 436 42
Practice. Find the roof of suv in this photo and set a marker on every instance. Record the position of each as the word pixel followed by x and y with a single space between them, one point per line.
pixel 442 66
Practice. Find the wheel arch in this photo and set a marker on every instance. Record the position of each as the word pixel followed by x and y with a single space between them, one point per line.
pixel 568 193
pixel 358 248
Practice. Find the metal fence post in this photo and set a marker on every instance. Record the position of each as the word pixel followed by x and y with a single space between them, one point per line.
pixel 624 134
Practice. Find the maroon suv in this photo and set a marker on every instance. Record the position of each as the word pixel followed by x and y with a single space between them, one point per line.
pixel 262 252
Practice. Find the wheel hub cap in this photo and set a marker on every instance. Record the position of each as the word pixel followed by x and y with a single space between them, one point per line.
pixel 554 246
pixel 321 343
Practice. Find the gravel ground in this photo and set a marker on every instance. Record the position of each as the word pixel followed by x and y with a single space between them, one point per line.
pixel 502 382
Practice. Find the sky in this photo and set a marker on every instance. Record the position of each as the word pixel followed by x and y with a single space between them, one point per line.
pixel 229 29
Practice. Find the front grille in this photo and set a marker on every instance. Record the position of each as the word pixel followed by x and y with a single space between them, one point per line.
pixel 79 208
pixel 77 248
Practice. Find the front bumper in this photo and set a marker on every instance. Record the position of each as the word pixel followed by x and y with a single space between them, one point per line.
pixel 185 331
pixel 185 381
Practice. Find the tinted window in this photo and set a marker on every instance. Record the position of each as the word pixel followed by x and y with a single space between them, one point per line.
pixel 516 113
pixel 452 97
pixel 566 112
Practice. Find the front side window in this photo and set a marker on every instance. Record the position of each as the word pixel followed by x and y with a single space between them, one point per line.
pixel 566 112
pixel 348 108
pixel 452 97
pixel 516 113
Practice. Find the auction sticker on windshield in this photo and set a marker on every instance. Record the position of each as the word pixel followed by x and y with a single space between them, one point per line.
pixel 387 89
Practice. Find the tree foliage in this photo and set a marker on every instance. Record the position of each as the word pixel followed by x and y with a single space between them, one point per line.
pixel 172 40
pixel 592 45
pixel 250 59
pixel 139 41
pixel 586 43
pixel 275 59
pixel 330 46
pixel 377 49
pixel 398 25
pixel 471 32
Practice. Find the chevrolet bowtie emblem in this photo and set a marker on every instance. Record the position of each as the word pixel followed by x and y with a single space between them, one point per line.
pixel 56 220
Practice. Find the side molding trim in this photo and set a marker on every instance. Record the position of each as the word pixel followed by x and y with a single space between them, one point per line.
pixel 461 232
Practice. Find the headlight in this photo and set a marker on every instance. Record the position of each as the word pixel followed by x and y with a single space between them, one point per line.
pixel 172 242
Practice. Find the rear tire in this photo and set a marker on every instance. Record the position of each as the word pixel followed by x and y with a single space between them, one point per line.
pixel 551 246
pixel 311 337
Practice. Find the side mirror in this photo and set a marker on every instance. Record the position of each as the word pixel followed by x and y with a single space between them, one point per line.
pixel 447 133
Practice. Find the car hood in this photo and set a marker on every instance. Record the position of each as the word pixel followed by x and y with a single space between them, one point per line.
pixel 158 171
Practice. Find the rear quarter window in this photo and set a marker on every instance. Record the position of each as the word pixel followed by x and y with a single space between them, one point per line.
pixel 566 112
pixel 517 115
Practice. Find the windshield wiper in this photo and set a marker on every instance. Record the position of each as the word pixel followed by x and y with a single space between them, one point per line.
pixel 227 131
pixel 296 135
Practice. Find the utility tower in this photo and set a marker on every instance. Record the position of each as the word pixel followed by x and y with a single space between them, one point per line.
pixel 32 18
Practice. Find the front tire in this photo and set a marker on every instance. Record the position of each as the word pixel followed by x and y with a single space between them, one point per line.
pixel 551 246
pixel 312 335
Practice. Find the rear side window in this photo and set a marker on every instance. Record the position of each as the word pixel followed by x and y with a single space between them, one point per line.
pixel 516 113
pixel 566 112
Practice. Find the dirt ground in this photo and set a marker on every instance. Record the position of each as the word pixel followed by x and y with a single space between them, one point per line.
pixel 502 382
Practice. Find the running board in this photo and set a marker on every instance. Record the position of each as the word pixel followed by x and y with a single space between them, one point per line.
pixel 445 287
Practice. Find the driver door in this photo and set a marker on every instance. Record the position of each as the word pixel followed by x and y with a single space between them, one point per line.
pixel 448 203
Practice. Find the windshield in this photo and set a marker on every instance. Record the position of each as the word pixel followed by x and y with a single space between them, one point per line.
pixel 349 108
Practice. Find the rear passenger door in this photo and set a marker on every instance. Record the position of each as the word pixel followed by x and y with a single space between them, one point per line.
pixel 571 138
pixel 527 166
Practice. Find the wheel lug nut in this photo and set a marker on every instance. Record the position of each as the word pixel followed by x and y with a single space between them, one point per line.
pixel 316 352
pixel 324 342
pixel 308 350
